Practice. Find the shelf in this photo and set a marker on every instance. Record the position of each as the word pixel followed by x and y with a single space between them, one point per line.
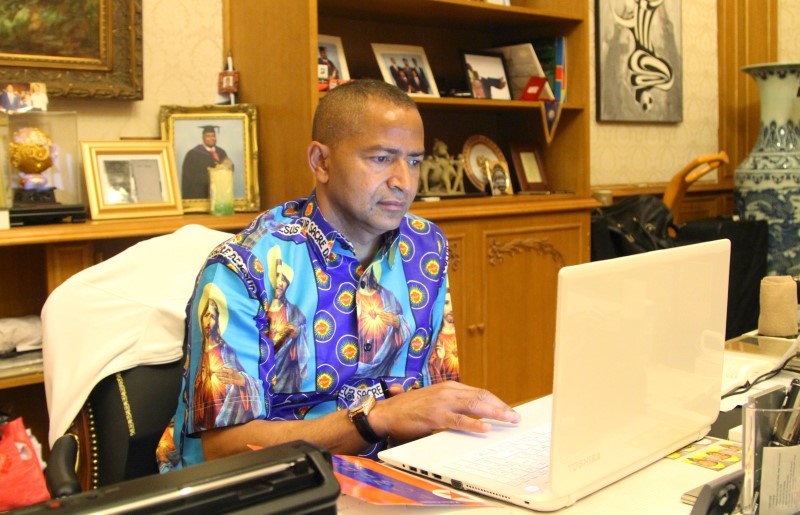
pixel 26 375
pixel 457 13
pixel 478 207
pixel 463 104
pixel 111 229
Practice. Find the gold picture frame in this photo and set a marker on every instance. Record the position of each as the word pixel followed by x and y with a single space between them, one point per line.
pixel 130 179
pixel 104 61
pixel 236 133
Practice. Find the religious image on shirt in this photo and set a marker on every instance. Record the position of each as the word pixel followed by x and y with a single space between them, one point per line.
pixel 443 363
pixel 287 329
pixel 224 394
pixel 382 330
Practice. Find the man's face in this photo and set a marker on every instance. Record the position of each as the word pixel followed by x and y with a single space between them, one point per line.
pixel 371 175
pixel 209 139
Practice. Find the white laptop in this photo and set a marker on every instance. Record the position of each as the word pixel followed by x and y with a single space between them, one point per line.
pixel 638 370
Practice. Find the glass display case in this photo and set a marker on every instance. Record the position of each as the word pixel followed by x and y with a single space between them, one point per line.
pixel 42 179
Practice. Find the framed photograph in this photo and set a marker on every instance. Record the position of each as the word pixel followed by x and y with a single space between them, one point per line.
pixel 486 74
pixel 206 136
pixel 639 62
pixel 102 59
pixel 130 179
pixel 499 177
pixel 22 97
pixel 406 67
pixel 331 63
pixel 477 151
pixel 529 167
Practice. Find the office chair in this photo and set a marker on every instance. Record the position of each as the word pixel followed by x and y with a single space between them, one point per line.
pixel 115 435
pixel 688 175
pixel 112 348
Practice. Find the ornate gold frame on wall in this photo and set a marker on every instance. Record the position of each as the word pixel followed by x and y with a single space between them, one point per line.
pixel 115 72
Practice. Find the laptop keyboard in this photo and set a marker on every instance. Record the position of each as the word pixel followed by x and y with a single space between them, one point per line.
pixel 518 460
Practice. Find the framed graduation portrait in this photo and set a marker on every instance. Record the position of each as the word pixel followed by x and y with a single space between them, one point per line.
pixel 208 136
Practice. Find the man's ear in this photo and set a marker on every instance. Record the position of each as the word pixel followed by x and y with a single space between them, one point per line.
pixel 318 160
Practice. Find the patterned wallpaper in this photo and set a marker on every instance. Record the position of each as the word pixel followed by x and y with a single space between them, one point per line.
pixel 182 59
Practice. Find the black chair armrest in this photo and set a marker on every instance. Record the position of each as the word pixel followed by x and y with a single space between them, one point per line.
pixel 60 474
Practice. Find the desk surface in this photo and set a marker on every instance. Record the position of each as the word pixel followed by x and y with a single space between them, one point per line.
pixel 656 489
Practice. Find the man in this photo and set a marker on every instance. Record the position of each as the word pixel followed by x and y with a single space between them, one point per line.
pixel 194 173
pixel 9 99
pixel 362 269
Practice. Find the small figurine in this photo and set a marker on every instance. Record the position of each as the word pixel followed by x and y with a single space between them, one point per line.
pixel 440 173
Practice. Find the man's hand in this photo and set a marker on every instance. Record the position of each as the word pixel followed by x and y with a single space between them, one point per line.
pixel 450 405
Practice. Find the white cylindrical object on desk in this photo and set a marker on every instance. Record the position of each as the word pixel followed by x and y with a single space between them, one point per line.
pixel 778 313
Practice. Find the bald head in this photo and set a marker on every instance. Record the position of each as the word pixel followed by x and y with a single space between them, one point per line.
pixel 339 112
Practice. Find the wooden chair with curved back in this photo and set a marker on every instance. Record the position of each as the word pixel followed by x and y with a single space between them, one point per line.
pixel 677 187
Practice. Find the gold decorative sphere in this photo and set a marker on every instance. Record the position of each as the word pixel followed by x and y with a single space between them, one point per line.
pixel 30 150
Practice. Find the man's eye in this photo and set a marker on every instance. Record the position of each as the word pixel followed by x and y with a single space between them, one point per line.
pixel 414 162
pixel 381 159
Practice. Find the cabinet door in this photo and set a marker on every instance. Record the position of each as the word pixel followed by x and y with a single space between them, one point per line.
pixel 504 294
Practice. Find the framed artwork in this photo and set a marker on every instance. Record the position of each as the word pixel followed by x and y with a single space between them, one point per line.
pixel 130 179
pixel 477 151
pixel 103 59
pixel 486 75
pixel 529 167
pixel 406 67
pixel 499 177
pixel 205 136
pixel 331 63
pixel 639 61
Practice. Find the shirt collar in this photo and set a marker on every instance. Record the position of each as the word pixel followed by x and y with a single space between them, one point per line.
pixel 335 241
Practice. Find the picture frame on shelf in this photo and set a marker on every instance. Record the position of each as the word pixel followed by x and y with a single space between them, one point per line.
pixel 232 129
pixel 529 167
pixel 331 62
pixel 130 179
pixel 486 74
pixel 477 151
pixel 407 67
pixel 499 178
pixel 102 61
pixel 639 69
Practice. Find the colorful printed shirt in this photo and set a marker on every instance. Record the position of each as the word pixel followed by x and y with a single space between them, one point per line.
pixel 285 324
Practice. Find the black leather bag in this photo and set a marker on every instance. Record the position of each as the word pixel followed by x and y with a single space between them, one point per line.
pixel 633 225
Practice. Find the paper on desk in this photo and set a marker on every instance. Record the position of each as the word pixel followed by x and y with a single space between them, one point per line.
pixel 780 481
pixel 377 483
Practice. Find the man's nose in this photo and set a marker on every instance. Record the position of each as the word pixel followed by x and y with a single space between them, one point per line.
pixel 402 174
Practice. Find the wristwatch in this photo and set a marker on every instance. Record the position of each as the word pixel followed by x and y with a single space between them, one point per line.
pixel 358 412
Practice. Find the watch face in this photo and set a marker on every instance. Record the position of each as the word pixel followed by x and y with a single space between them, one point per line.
pixel 365 401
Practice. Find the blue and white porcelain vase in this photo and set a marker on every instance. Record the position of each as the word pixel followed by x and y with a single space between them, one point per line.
pixel 767 182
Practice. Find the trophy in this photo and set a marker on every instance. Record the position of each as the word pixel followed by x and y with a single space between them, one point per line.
pixel 44 168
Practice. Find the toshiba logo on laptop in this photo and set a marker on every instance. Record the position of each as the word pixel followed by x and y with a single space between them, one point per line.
pixel 584 461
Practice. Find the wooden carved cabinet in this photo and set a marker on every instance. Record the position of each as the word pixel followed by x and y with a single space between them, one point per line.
pixel 503 272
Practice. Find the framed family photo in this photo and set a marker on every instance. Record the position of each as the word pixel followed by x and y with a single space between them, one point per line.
pixel 406 67
pixel 205 137
pixel 130 179
pixel 486 75
pixel 331 63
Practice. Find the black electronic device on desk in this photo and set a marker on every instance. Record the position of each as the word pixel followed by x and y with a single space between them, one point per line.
pixel 294 477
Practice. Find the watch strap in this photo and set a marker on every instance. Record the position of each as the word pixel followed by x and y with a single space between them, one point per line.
pixel 364 429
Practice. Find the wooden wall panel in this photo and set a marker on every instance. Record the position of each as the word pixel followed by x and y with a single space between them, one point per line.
pixel 747 34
